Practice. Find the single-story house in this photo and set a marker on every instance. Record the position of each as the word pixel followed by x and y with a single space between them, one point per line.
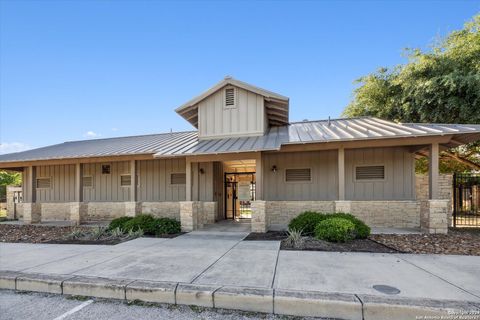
pixel 244 161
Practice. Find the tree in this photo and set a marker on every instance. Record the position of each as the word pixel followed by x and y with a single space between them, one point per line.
pixel 441 85
pixel 7 179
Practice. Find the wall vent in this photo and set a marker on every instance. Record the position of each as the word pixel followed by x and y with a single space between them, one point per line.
pixel 87 181
pixel 230 97
pixel 178 178
pixel 370 173
pixel 125 180
pixel 44 183
pixel 298 175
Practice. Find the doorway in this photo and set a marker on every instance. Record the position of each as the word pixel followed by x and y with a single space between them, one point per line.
pixel 239 194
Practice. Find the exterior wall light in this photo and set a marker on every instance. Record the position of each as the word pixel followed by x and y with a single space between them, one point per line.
pixel 202 171
pixel 274 169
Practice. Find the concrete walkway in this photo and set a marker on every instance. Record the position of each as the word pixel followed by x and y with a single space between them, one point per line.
pixel 221 258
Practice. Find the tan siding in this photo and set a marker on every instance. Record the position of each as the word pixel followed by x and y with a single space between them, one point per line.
pixel 323 166
pixel 62 179
pixel 154 179
pixel 399 183
pixel 106 187
pixel 247 118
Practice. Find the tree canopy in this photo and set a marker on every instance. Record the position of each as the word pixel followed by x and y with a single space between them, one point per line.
pixel 440 85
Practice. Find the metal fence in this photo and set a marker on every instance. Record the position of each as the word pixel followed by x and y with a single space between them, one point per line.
pixel 466 200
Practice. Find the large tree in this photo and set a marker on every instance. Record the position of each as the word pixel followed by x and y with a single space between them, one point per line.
pixel 439 85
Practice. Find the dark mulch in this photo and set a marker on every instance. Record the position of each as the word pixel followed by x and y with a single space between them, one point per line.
pixel 457 241
pixel 268 236
pixel 57 235
pixel 357 245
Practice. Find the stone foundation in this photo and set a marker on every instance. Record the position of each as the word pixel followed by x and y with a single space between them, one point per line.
pixel 275 215
pixel 12 213
pixel 161 209
pixel 195 214
pixel 435 216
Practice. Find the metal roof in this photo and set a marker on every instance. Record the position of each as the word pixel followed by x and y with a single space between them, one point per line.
pixel 187 143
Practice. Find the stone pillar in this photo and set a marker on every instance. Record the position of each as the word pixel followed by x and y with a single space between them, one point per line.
pixel 78 212
pixel 435 216
pixel 132 208
pixel 188 215
pixel 209 212
pixel 259 216
pixel 11 201
pixel 344 206
pixel 31 212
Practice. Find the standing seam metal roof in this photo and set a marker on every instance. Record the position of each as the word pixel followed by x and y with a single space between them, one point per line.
pixel 187 143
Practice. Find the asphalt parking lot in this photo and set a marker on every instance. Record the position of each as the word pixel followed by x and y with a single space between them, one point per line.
pixel 14 306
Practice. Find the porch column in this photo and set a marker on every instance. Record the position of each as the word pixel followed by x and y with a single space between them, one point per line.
pixel 188 180
pixel 132 207
pixel 258 177
pixel 32 183
pixel 31 210
pixel 76 207
pixel 433 171
pixel 341 174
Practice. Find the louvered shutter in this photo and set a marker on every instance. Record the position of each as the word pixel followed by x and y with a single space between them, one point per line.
pixel 298 175
pixel 370 173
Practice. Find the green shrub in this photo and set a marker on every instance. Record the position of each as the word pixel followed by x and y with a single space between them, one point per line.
pixel 143 221
pixel 362 231
pixel 335 230
pixel 166 226
pixel 306 222
pixel 119 223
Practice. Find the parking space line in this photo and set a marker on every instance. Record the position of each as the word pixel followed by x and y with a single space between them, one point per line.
pixel 72 311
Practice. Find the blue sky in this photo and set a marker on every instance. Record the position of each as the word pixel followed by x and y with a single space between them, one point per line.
pixel 73 70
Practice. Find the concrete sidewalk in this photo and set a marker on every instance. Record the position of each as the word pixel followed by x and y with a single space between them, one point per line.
pixel 218 263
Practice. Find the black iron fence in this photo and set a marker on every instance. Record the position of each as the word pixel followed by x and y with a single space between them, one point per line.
pixel 466 200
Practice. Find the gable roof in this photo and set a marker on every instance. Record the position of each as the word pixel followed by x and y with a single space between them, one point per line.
pixel 276 105
pixel 177 144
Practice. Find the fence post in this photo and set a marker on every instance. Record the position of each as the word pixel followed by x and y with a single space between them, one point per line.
pixel 454 199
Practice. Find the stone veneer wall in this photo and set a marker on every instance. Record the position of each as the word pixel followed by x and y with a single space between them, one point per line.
pixel 195 214
pixel 275 215
pixel 445 191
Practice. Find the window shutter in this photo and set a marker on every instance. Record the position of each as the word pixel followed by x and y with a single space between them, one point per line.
pixel 370 173
pixel 230 97
pixel 178 178
pixel 298 175
pixel 88 181
pixel 43 183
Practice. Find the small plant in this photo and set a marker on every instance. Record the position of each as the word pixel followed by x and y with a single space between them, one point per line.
pixel 295 239
pixel 75 234
pixel 135 234
pixel 306 222
pixel 97 232
pixel 117 232
pixel 119 223
pixel 335 230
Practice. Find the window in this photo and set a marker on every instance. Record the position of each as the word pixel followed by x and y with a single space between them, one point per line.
pixel 44 183
pixel 178 178
pixel 125 180
pixel 87 181
pixel 105 169
pixel 230 98
pixel 370 173
pixel 298 175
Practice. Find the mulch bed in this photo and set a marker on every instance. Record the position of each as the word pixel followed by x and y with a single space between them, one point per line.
pixel 35 234
pixel 55 235
pixel 457 241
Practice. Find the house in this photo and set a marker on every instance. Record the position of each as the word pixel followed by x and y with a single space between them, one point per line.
pixel 245 161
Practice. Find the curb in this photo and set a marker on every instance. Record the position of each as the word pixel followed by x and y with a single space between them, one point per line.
pixel 277 301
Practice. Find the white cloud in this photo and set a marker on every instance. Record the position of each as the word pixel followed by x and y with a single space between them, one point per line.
pixel 9 147
pixel 114 129
pixel 91 134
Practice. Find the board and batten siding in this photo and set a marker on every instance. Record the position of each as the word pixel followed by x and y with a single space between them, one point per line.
pixel 106 187
pixel 399 182
pixel 323 184
pixel 62 183
pixel 247 118
pixel 154 180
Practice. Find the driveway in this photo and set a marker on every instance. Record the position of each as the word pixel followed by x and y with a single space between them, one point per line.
pixel 222 258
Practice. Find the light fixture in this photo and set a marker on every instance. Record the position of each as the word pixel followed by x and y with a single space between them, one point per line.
pixel 202 171
pixel 274 168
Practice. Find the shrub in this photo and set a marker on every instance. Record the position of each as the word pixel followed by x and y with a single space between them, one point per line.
pixel 362 231
pixel 119 223
pixel 306 222
pixel 143 221
pixel 166 226
pixel 335 230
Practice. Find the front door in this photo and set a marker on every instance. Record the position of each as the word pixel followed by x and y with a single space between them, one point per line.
pixel 239 194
